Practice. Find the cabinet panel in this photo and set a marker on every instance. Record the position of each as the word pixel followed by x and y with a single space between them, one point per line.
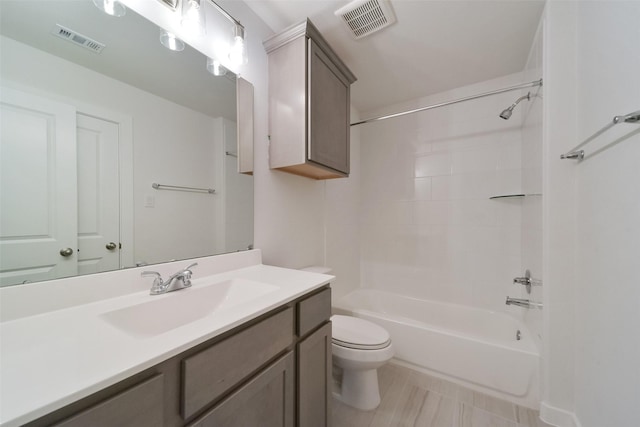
pixel 309 104
pixel 314 311
pixel 328 112
pixel 267 400
pixel 287 105
pixel 140 406
pixel 210 373
pixel 314 379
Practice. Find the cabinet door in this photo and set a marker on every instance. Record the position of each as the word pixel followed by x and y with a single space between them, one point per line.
pixel 314 379
pixel 266 400
pixel 328 112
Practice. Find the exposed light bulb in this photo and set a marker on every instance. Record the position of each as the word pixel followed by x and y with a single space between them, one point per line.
pixel 111 7
pixel 170 41
pixel 193 17
pixel 215 67
pixel 238 54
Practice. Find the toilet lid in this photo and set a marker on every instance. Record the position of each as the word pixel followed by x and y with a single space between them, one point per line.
pixel 352 332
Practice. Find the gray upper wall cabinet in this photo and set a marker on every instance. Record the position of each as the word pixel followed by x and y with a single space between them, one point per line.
pixel 309 104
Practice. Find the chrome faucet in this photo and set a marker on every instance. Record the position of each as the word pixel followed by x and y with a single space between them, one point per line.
pixel 180 280
pixel 523 303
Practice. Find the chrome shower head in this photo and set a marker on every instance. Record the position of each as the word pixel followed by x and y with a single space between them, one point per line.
pixel 506 114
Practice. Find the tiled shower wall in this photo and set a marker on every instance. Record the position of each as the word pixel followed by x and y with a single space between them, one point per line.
pixel 428 227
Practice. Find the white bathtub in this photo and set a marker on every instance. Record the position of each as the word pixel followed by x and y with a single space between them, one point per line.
pixel 473 347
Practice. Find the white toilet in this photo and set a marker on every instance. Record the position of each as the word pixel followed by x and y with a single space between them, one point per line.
pixel 359 349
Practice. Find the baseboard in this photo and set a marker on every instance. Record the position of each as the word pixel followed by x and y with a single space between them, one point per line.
pixel 558 417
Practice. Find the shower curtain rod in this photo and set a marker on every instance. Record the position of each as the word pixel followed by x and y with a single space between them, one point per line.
pixel 468 98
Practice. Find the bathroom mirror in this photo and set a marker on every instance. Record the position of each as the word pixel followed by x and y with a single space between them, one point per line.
pixel 94 112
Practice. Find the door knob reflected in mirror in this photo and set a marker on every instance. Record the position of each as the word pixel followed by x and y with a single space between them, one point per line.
pixel 111 246
pixel 66 252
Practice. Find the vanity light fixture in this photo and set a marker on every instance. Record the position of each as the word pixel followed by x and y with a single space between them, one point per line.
pixel 215 67
pixel 170 41
pixel 111 7
pixel 238 53
pixel 193 17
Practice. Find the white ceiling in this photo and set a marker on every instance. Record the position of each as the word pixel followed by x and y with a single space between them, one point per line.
pixel 434 45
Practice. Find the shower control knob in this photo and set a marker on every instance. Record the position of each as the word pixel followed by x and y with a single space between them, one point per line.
pixel 526 281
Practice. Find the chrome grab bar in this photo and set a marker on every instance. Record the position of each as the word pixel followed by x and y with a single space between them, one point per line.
pixel 177 187
pixel 575 154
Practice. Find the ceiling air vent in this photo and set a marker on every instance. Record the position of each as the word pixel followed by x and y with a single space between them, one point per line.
pixel 77 38
pixel 365 17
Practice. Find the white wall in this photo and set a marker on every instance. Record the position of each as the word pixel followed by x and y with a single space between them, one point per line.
pixel 591 209
pixel 289 210
pixel 428 228
pixel 559 213
pixel 298 221
pixel 158 126
pixel 342 222
pixel 607 291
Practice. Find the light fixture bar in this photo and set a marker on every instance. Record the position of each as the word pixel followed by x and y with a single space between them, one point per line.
pixel 226 14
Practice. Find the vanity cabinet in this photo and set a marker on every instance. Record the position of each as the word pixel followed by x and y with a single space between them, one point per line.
pixel 309 104
pixel 314 360
pixel 206 376
pixel 267 400
pixel 274 370
pixel 140 405
pixel 314 378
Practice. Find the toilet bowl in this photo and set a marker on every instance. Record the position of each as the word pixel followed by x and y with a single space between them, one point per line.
pixel 359 349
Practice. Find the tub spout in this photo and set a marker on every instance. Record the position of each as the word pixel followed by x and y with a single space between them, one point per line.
pixel 523 303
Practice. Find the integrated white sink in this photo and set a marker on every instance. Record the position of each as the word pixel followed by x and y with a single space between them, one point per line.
pixel 174 309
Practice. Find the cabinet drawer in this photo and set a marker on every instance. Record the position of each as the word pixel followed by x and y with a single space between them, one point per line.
pixel 267 400
pixel 139 406
pixel 314 311
pixel 210 373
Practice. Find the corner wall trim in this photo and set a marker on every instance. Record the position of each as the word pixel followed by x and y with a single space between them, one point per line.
pixel 558 417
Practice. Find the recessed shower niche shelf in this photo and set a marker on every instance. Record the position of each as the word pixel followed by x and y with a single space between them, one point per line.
pixel 512 196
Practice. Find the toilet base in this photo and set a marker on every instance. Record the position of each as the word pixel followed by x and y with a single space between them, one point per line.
pixel 359 389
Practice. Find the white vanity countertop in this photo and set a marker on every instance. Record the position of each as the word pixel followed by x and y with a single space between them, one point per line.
pixel 54 358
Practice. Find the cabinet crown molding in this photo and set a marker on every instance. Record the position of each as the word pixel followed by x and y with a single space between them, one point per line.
pixel 309 30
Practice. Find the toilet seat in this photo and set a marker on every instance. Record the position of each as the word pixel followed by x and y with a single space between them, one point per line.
pixel 359 334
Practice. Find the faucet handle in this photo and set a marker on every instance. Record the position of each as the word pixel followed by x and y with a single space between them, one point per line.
pixel 187 274
pixel 189 267
pixel 157 281
pixel 151 273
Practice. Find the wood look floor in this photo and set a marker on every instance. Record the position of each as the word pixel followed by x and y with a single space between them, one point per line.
pixel 410 398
